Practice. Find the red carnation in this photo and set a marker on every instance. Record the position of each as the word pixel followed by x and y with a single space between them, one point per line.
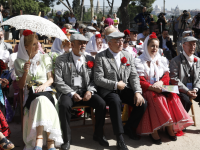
pixel 90 64
pixel 140 44
pixel 98 35
pixel 127 64
pixel 64 30
pixel 126 32
pixel 195 59
pixel 123 60
pixel 27 32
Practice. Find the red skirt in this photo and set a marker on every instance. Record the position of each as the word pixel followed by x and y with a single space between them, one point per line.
pixel 163 111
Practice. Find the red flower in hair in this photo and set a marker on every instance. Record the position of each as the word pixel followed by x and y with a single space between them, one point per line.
pixel 90 64
pixel 98 35
pixel 153 35
pixel 27 32
pixel 126 32
pixel 127 64
pixel 123 60
pixel 195 59
pixel 64 30
pixel 140 44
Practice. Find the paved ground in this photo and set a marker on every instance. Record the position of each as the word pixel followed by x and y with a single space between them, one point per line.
pixel 82 138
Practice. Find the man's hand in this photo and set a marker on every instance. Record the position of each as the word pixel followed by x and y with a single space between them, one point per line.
pixel 192 94
pixel 76 97
pixel 138 99
pixel 121 85
pixel 87 96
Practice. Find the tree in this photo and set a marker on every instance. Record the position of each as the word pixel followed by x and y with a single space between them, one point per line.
pixel 76 8
pixel 110 5
pixel 47 3
pixel 124 12
pixel 92 8
pixel 66 5
pixel 82 3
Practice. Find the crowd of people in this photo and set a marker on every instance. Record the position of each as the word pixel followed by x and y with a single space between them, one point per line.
pixel 100 66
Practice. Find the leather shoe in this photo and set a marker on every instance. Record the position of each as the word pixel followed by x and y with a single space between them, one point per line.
pixel 121 145
pixel 65 146
pixel 102 140
pixel 173 138
pixel 158 142
pixel 130 133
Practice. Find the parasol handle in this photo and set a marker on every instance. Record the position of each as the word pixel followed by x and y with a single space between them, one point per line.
pixel 39 14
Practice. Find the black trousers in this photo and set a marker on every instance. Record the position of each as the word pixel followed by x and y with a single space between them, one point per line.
pixel 65 106
pixel 115 101
pixel 185 99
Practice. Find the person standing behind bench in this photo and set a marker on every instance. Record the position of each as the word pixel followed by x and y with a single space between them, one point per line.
pixel 74 74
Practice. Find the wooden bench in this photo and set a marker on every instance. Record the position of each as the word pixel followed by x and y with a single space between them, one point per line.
pixel 193 114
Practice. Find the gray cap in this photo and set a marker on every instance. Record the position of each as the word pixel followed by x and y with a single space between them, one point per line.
pixel 133 30
pixel 115 35
pixel 189 39
pixel 78 37
pixel 91 28
pixel 88 35
pixel 187 32
pixel 82 26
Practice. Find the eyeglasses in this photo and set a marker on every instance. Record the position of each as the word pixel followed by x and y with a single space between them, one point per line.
pixel 119 41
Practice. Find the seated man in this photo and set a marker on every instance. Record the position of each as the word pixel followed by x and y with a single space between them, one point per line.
pixel 134 42
pixel 91 29
pixel 116 76
pixel 74 74
pixel 166 45
pixel 185 72
pixel 144 34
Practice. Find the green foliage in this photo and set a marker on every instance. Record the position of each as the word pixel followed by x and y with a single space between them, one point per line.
pixel 155 18
pixel 76 6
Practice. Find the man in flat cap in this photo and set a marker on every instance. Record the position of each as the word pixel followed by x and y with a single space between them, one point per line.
pixel 74 74
pixel 185 72
pixel 118 82
pixel 91 29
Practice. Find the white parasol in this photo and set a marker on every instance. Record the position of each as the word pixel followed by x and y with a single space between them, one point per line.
pixel 36 24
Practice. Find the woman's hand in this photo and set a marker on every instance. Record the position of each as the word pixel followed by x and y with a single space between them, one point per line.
pixel 4 82
pixel 157 90
pixel 40 88
pixel 27 66
pixel 158 84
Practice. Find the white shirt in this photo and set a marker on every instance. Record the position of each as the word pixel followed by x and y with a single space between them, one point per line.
pixel 116 26
pixel 72 20
pixel 190 60
pixel 138 47
pixel 140 36
pixel 164 43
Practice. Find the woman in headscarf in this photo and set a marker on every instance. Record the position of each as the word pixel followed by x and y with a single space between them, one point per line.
pixel 164 109
pixel 34 74
pixel 95 45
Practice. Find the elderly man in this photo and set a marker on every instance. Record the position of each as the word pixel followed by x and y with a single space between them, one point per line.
pixel 74 73
pixel 116 76
pixel 185 72
pixel 91 29
pixel 166 45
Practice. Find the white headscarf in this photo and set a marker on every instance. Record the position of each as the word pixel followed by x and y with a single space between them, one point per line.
pixel 158 65
pixel 92 45
pixel 56 47
pixel 22 54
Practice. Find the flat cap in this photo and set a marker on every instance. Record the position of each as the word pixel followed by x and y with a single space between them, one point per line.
pixel 115 35
pixel 189 39
pixel 78 37
pixel 82 26
pixel 133 30
pixel 187 32
pixel 91 28
pixel 88 35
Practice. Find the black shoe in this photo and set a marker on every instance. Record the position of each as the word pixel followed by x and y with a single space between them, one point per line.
pixel 173 138
pixel 158 142
pixel 184 130
pixel 131 134
pixel 102 140
pixel 65 146
pixel 121 145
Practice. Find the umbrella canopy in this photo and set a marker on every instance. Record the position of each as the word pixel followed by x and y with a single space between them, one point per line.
pixel 36 24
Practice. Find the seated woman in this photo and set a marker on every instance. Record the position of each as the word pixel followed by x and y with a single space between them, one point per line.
pixel 164 109
pixel 126 46
pixel 40 107
pixel 95 45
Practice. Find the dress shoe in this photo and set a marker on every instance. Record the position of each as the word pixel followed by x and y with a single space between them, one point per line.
pixel 65 146
pixel 121 145
pixel 173 138
pixel 129 132
pixel 158 142
pixel 102 140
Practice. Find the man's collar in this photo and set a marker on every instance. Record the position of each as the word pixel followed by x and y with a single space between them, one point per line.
pixel 189 58
pixel 113 53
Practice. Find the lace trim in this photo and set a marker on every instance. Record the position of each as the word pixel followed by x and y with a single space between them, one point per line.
pixel 55 134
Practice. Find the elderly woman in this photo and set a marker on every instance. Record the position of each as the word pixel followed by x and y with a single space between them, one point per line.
pixel 40 105
pixel 164 109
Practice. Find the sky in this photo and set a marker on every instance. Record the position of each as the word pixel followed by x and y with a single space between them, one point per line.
pixel 183 4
